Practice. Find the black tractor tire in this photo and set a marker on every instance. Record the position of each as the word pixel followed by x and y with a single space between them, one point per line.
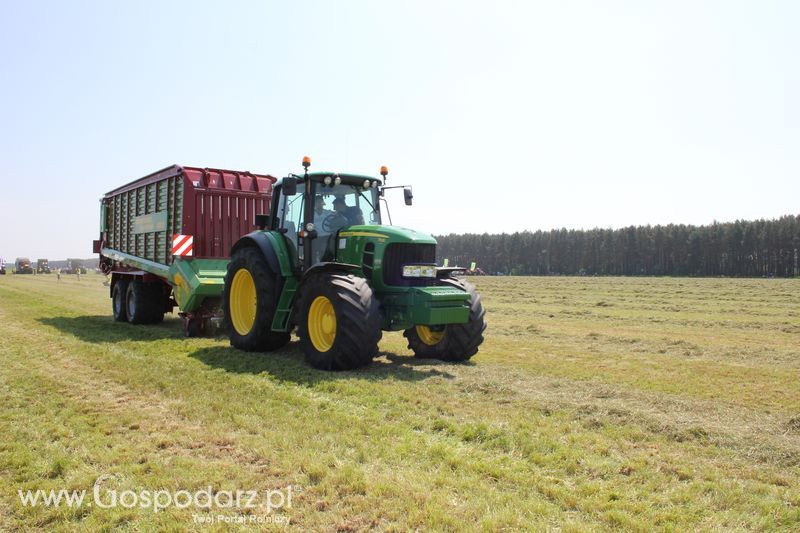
pixel 358 321
pixel 119 302
pixel 143 303
pixel 260 338
pixel 422 349
pixel 460 341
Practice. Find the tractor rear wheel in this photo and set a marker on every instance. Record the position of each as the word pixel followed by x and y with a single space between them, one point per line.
pixel 118 301
pixel 249 303
pixel 340 322
pixel 453 342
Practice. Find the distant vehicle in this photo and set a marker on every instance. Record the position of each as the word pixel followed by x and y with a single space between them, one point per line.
pixel 23 266
pixel 2 267
pixel 42 266
pixel 74 266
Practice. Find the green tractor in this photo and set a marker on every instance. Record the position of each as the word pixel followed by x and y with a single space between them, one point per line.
pixel 322 261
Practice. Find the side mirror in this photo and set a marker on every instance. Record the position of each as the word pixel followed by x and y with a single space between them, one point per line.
pixel 408 195
pixel 289 186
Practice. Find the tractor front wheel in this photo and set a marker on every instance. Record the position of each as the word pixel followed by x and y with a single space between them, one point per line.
pixel 453 342
pixel 249 302
pixel 340 322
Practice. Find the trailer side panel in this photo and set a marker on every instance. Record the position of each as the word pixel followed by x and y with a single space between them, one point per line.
pixel 214 206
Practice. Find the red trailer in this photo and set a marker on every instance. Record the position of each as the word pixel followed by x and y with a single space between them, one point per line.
pixel 165 239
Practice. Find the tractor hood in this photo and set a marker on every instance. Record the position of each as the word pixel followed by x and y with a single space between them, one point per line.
pixel 388 233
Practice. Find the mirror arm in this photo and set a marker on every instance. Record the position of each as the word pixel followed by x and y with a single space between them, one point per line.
pixel 388 214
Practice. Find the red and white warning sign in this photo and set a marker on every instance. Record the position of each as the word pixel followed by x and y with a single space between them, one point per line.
pixel 182 245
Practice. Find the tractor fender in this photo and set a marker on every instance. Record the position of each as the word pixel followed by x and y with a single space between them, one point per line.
pixel 263 242
pixel 329 267
pixel 345 268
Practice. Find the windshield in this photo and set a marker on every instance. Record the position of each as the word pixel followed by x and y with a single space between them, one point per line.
pixel 335 207
pixel 344 205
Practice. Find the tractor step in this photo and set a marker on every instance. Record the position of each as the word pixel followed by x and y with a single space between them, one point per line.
pixel 283 313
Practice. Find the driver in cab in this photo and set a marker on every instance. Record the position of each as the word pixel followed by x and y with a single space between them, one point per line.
pixel 340 207
pixel 327 221
pixel 320 213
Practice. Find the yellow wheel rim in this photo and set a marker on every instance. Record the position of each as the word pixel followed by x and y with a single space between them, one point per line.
pixel 322 324
pixel 428 336
pixel 243 302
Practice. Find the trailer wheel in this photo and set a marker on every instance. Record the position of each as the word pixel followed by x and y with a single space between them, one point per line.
pixel 143 303
pixel 118 301
pixel 251 296
pixel 340 322
pixel 157 303
pixel 453 342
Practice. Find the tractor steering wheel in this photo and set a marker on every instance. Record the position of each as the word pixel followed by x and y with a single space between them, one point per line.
pixel 333 222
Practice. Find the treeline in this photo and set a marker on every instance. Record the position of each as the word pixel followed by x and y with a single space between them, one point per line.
pixel 743 248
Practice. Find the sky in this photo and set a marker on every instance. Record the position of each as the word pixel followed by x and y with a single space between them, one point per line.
pixel 503 116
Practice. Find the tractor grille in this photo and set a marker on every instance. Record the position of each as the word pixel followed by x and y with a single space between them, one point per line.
pixel 398 254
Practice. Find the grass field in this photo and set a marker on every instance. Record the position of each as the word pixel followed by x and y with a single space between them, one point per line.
pixel 595 403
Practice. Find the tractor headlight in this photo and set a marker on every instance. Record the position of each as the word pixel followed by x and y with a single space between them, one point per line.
pixel 310 226
pixel 419 271
pixel 366 184
pixel 374 184
pixel 337 180
pixel 327 180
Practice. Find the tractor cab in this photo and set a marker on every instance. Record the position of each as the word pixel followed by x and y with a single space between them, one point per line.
pixel 311 210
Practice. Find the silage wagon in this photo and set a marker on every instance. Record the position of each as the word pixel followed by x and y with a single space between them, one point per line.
pixel 165 240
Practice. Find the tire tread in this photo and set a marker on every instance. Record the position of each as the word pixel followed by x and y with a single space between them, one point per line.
pixel 261 338
pixel 358 321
